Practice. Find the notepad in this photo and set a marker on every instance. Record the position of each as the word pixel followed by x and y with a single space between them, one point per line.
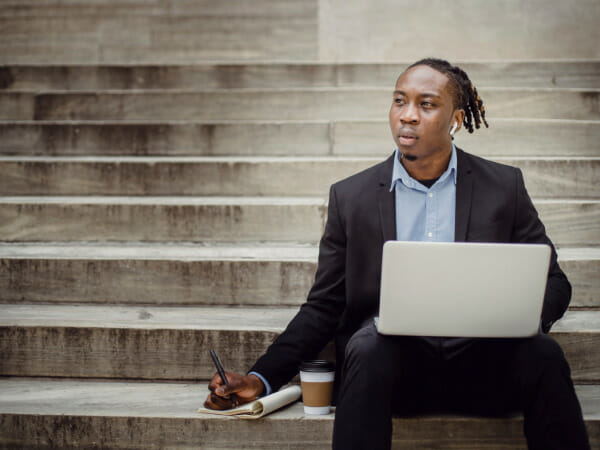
pixel 262 406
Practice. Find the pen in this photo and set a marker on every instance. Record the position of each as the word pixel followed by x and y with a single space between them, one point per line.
pixel 221 372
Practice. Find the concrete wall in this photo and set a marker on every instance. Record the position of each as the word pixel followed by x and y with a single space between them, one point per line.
pixel 184 31
pixel 403 30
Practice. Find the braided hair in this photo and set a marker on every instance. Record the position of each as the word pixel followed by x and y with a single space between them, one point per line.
pixel 465 93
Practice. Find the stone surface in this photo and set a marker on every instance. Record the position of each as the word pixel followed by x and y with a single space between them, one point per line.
pixel 254 274
pixel 174 31
pixel 156 308
pixel 161 219
pixel 199 219
pixel 144 342
pixel 505 137
pixel 153 415
pixel 276 104
pixel 150 342
pixel 557 73
pixel 545 177
pixel 158 274
pixel 390 30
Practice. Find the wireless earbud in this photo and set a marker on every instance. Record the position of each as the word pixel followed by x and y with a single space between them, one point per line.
pixel 454 127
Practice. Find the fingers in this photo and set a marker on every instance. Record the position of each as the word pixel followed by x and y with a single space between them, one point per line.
pixel 215 382
pixel 213 401
pixel 236 383
pixel 222 389
pixel 241 388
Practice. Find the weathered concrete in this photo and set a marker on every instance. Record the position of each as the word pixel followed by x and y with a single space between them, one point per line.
pixel 571 74
pixel 139 342
pixel 148 342
pixel 582 267
pixel 156 32
pixel 505 137
pixel 576 177
pixel 159 274
pixel 161 219
pixel 278 104
pixel 390 30
pixel 569 223
pixel 163 415
pixel 263 274
pixel 169 138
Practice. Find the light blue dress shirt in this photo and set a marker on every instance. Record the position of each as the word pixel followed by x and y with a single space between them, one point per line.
pixel 425 214
pixel 422 214
pixel 428 214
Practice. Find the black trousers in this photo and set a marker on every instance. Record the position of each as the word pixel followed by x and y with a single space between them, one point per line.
pixel 404 376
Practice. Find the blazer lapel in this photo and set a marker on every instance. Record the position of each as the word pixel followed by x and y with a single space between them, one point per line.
pixel 464 189
pixel 386 200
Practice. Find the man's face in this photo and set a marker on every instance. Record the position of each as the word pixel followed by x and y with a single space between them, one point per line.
pixel 422 113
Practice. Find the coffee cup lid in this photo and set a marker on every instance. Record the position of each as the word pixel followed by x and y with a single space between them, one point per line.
pixel 317 365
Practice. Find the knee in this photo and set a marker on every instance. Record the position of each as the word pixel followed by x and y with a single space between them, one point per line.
pixel 362 346
pixel 540 355
pixel 540 348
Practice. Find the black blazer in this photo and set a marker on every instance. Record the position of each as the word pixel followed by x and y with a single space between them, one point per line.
pixel 492 205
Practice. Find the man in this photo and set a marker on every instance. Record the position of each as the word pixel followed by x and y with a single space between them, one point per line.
pixel 427 190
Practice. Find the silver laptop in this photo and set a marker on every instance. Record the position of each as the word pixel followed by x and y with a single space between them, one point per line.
pixel 462 289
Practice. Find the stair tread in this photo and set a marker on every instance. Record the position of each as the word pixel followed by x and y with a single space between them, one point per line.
pixel 194 251
pixel 248 159
pixel 283 90
pixel 147 399
pixel 180 251
pixel 199 317
pixel 154 122
pixel 207 200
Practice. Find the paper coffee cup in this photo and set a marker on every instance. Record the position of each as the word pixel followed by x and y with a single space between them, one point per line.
pixel 316 378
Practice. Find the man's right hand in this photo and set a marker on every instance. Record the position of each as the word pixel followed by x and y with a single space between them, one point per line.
pixel 245 387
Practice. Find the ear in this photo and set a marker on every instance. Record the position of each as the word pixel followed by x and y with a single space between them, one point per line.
pixel 457 117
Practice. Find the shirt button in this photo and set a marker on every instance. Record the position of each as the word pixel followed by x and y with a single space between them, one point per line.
pixel 430 194
pixel 430 234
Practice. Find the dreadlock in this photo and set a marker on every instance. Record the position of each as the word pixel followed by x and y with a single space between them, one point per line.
pixel 465 93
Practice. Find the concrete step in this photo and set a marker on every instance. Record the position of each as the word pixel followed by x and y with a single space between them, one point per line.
pixel 187 274
pixel 120 32
pixel 276 104
pixel 233 274
pixel 545 177
pixel 197 219
pixel 132 414
pixel 177 8
pixel 217 219
pixel 505 137
pixel 150 342
pixel 547 74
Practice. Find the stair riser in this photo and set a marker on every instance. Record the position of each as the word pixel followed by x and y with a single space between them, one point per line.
pixel 215 282
pixel 91 352
pixel 167 139
pixel 561 178
pixel 157 282
pixel 505 138
pixel 325 104
pixel 568 224
pixel 421 433
pixel 39 222
pixel 24 430
pixel 583 74
pixel 126 353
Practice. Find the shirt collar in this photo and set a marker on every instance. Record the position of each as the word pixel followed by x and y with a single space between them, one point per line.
pixel 399 173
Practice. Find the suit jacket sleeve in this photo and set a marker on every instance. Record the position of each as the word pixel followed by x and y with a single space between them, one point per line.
pixel 315 323
pixel 529 228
